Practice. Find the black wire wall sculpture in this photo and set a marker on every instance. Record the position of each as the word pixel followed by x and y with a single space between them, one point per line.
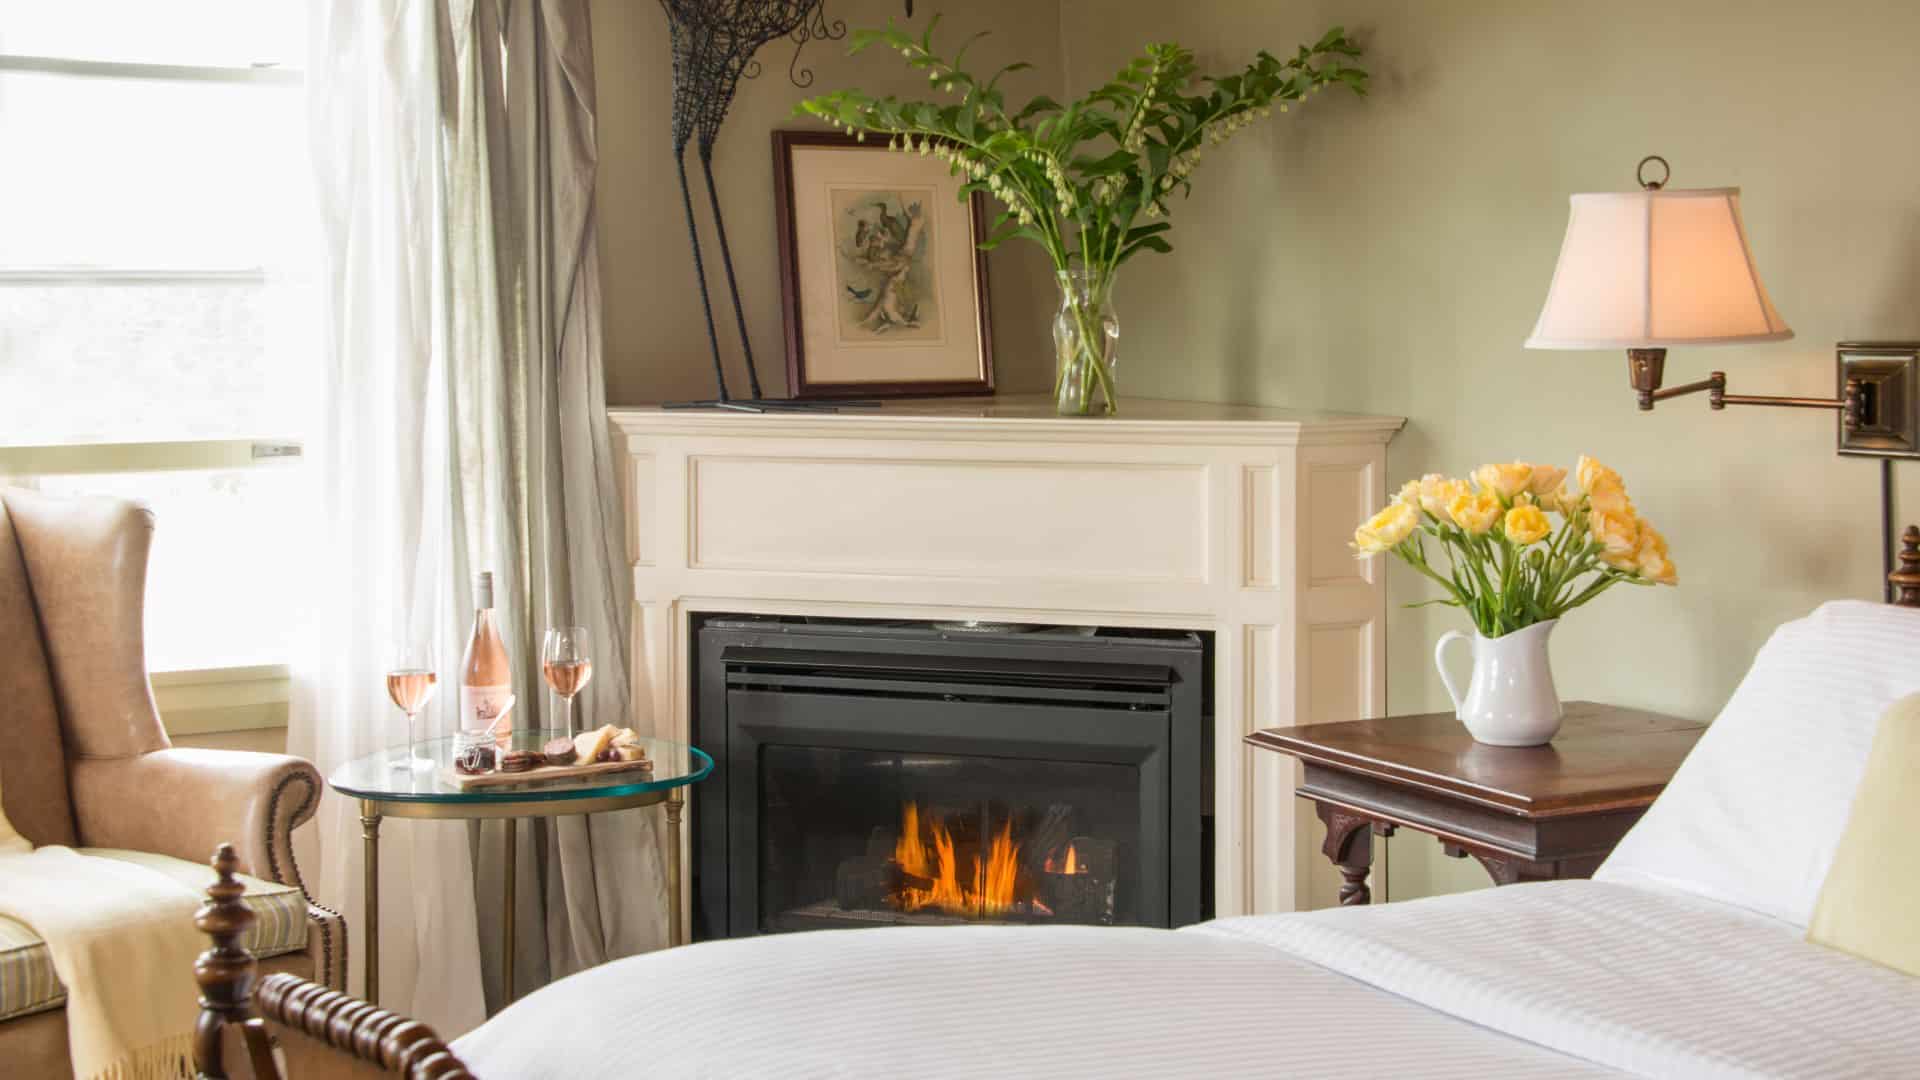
pixel 714 42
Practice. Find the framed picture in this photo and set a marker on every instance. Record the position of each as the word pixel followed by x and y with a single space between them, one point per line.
pixel 882 277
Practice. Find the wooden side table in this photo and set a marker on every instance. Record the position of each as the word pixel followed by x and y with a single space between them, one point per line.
pixel 1526 814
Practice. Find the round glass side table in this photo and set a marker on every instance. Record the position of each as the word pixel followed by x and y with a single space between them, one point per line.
pixel 384 791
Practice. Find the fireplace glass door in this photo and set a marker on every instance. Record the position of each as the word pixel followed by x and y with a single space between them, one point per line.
pixel 853 837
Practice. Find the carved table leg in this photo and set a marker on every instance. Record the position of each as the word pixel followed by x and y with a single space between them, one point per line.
pixel 370 875
pixel 1350 847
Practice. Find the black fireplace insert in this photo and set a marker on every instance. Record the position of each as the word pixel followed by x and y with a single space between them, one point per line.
pixel 874 774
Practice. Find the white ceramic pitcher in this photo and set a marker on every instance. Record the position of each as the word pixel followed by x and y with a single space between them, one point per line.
pixel 1511 700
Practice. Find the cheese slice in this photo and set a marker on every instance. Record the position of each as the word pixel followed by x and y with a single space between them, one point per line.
pixel 587 745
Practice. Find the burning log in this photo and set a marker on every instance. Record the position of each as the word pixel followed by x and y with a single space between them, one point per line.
pixel 862 882
pixel 868 881
pixel 1080 887
pixel 1049 835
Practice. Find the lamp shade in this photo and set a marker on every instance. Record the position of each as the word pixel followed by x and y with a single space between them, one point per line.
pixel 1655 268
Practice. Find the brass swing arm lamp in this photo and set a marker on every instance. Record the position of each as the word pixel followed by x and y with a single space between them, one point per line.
pixel 1652 268
pixel 1645 367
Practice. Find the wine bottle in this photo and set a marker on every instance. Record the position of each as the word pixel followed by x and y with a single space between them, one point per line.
pixel 486 680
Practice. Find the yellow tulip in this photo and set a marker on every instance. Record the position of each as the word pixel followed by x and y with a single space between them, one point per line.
pixel 1385 529
pixel 1409 493
pixel 1527 525
pixel 1545 482
pixel 1475 512
pixel 1609 496
pixel 1587 472
pixel 1437 492
pixel 1506 481
pixel 1619 536
pixel 1650 557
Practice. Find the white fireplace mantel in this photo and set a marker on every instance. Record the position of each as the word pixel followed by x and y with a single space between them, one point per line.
pixel 1187 515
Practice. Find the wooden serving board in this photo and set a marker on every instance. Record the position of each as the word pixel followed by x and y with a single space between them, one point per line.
pixel 539 773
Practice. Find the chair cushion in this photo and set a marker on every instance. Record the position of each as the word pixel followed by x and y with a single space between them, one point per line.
pixel 1753 816
pixel 32 752
pixel 27 980
pixel 1867 904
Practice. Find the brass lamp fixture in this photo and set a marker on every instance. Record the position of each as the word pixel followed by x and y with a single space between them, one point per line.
pixel 1655 268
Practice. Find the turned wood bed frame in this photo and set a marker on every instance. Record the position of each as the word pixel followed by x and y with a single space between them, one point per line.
pixel 323 1034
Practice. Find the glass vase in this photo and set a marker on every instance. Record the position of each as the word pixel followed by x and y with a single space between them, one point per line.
pixel 1085 334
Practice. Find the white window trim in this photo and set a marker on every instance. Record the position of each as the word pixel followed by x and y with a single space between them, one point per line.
pixel 211 701
pixel 84 459
pixel 271 74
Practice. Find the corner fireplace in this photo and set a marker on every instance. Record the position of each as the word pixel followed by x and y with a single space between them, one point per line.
pixel 884 773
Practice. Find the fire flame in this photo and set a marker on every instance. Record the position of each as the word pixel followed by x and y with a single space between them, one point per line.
pixel 990 889
pixel 1071 866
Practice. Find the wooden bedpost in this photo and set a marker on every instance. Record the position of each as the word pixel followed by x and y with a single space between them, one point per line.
pixel 320 1030
pixel 1906 577
pixel 225 972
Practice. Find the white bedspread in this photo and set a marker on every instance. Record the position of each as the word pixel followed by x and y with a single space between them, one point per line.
pixel 1649 981
pixel 1000 1002
pixel 1570 979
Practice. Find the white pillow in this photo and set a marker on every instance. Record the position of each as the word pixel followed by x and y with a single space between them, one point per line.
pixel 1755 813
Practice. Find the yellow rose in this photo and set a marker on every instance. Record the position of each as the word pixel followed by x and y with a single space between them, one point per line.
pixel 1545 482
pixel 1475 511
pixel 1650 557
pixel 1619 537
pixel 1505 481
pixel 1609 496
pixel 1409 493
pixel 1437 492
pixel 1527 525
pixel 1386 528
pixel 1586 472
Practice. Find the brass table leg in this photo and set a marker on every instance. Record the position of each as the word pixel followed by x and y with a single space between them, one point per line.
pixel 506 958
pixel 675 935
pixel 370 878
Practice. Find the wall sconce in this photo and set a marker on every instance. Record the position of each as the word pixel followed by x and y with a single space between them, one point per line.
pixel 1650 269
pixel 1655 268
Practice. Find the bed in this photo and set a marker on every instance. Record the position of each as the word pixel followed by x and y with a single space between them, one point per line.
pixel 1685 956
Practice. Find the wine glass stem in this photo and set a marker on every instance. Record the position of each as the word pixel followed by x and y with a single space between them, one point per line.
pixel 566 713
pixel 413 734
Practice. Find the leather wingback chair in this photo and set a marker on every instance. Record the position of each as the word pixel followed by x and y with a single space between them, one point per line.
pixel 84 760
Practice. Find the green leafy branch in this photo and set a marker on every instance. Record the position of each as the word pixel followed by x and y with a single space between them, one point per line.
pixel 1089 180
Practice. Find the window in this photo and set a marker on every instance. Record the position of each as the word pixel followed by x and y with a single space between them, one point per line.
pixel 156 341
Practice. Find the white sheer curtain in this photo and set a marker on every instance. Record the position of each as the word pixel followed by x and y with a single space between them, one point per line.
pixel 464 429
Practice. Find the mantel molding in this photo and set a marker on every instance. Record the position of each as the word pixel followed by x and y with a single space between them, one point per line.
pixel 1028 416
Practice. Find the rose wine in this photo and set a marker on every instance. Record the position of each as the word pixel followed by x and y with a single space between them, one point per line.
pixel 567 676
pixel 411 689
pixel 486 680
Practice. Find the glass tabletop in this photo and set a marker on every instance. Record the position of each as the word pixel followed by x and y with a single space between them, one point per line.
pixel 376 777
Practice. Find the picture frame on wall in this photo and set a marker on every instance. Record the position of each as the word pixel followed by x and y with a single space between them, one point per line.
pixel 882 279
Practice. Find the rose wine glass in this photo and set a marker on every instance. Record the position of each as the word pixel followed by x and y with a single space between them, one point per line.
pixel 411 683
pixel 566 665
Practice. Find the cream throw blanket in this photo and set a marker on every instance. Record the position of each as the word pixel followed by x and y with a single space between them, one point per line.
pixel 123 942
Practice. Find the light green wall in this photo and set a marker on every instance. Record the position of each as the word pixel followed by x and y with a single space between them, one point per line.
pixel 1389 255
pixel 656 344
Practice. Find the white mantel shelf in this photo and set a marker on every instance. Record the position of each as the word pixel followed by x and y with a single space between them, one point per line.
pixel 1032 416
pixel 1227 519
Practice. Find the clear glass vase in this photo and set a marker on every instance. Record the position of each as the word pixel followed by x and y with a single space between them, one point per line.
pixel 1085 334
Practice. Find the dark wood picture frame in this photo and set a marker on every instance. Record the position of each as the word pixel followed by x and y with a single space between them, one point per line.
pixel 799 384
